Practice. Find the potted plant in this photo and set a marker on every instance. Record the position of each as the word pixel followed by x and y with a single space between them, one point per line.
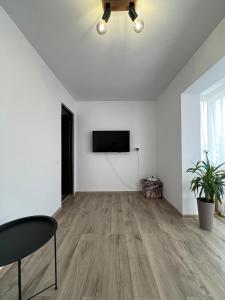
pixel 208 186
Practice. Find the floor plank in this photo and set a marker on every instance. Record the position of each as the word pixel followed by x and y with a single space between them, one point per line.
pixel 121 246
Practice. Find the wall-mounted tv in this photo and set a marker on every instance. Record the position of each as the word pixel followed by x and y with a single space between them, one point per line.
pixel 111 141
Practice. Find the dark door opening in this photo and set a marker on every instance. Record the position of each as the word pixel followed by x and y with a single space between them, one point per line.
pixel 67 152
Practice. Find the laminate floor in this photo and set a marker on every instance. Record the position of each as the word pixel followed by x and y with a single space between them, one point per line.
pixel 120 246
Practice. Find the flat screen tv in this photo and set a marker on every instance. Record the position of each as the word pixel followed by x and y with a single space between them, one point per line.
pixel 111 141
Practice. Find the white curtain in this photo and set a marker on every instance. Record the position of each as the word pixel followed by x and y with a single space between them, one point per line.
pixel 213 125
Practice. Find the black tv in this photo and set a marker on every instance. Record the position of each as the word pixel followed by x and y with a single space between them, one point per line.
pixel 111 141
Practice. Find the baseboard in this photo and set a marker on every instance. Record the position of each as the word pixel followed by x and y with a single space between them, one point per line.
pixel 190 216
pixel 61 207
pixel 57 212
pixel 180 214
pixel 173 207
pixel 105 192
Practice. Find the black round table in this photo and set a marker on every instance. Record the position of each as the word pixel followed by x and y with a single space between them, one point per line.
pixel 21 237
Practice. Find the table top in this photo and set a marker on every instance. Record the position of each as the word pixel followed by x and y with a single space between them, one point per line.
pixel 21 237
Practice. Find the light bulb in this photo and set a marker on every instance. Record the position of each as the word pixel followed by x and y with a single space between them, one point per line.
pixel 101 27
pixel 138 25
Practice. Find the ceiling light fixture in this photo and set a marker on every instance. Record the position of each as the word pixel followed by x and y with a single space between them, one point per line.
pixel 119 5
pixel 138 23
pixel 102 24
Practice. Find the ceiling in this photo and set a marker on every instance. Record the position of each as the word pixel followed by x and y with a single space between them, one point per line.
pixel 120 65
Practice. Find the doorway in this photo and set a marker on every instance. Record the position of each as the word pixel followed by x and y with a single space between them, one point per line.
pixel 67 163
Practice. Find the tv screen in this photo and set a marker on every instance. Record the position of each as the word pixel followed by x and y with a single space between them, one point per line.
pixel 111 141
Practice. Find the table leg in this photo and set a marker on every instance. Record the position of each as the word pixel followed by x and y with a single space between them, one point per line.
pixel 19 280
pixel 55 250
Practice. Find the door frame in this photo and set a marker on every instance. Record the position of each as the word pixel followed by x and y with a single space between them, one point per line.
pixel 63 106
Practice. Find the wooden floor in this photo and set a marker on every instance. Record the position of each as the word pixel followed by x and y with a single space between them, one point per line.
pixel 114 246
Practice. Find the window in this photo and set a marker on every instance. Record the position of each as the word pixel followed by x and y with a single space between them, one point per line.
pixel 213 124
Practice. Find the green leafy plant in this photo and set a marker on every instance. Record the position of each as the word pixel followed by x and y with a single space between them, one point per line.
pixel 209 182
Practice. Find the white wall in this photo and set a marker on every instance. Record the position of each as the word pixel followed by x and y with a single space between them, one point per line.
pixel 169 148
pixel 191 128
pixel 191 147
pixel 115 172
pixel 30 124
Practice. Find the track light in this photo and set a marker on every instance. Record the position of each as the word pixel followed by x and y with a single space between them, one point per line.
pixel 122 5
pixel 101 27
pixel 107 12
pixel 138 23
pixel 132 12
pixel 102 24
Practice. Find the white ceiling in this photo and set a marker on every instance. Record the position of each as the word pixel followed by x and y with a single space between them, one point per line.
pixel 121 65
